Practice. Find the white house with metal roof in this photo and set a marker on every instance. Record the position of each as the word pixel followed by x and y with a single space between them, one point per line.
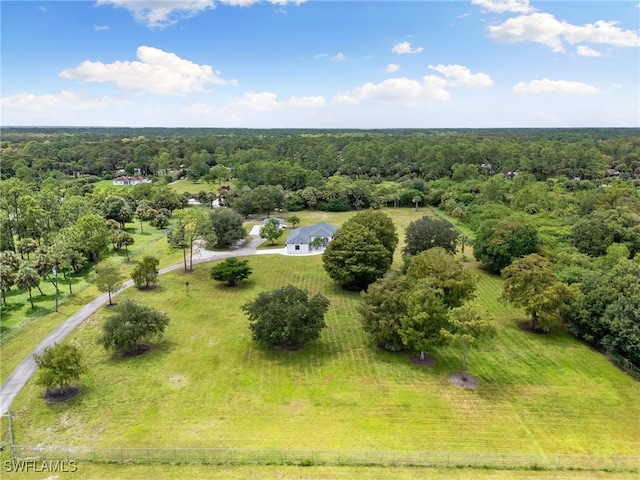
pixel 305 240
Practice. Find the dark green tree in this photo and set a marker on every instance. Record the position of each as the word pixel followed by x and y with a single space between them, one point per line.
pixel 59 366
pixel 425 317
pixel 118 209
pixel 228 227
pixel 497 244
pixel 594 233
pixel 130 324
pixel 91 236
pixel 382 227
pixel 355 257
pixel 622 318
pixel 287 317
pixel 428 232
pixel 231 271
pixel 382 309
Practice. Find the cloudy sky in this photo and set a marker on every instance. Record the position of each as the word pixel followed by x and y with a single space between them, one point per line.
pixel 320 64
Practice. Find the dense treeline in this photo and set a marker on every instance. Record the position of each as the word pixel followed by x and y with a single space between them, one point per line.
pixel 374 155
pixel 569 195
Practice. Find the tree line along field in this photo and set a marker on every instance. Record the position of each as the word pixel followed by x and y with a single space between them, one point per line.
pixel 568 195
pixel 207 384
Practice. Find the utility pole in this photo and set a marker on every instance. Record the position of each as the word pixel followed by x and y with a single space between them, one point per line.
pixel 55 274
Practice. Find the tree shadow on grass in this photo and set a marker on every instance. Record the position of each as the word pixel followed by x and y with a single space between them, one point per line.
pixel 316 352
pixel 146 351
pixel 239 286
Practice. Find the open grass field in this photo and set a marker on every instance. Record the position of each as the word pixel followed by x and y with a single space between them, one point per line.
pixel 208 385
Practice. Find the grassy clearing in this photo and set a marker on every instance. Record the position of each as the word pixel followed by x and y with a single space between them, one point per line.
pixel 182 186
pixel 208 385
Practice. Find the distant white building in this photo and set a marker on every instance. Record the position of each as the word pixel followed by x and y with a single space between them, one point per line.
pixel 303 240
pixel 130 180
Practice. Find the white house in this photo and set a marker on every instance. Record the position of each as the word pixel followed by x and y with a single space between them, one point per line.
pixel 130 180
pixel 301 240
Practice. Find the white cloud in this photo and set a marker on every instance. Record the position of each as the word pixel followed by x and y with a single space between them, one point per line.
pixel 545 29
pixel 340 57
pixel 459 76
pixel 158 72
pixel 539 27
pixel 313 102
pixel 398 90
pixel 554 87
pixel 257 101
pixel 162 14
pixel 601 32
pixel 585 51
pixel 502 6
pixel 287 2
pixel 408 91
pixel 405 47
pixel 101 28
pixel 50 103
pixel 392 68
pixel 239 3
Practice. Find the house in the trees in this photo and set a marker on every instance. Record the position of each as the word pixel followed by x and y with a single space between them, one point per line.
pixel 308 239
pixel 130 180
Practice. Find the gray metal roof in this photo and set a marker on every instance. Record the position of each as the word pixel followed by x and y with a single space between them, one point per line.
pixel 305 234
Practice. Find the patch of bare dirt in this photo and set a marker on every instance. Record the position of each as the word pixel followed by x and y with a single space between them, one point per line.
pixel 463 381
pixel 58 396
pixel 141 349
pixel 527 326
pixel 427 361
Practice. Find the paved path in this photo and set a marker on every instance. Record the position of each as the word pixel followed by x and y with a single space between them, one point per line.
pixel 23 372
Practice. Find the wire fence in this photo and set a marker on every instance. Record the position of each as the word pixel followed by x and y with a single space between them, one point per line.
pixel 241 456
pixel 626 365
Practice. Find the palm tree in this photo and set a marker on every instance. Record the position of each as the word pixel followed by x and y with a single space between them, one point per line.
pixel 27 279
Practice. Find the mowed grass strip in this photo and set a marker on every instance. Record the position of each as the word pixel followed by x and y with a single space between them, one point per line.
pixel 220 472
pixel 208 385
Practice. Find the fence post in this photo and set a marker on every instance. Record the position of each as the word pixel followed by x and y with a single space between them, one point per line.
pixel 13 446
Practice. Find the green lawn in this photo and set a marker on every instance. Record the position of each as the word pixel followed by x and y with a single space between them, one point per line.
pixel 208 385
pixel 196 472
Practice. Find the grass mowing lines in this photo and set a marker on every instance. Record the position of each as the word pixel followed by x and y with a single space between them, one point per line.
pixel 207 384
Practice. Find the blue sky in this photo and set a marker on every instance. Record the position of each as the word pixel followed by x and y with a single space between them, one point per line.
pixel 320 64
